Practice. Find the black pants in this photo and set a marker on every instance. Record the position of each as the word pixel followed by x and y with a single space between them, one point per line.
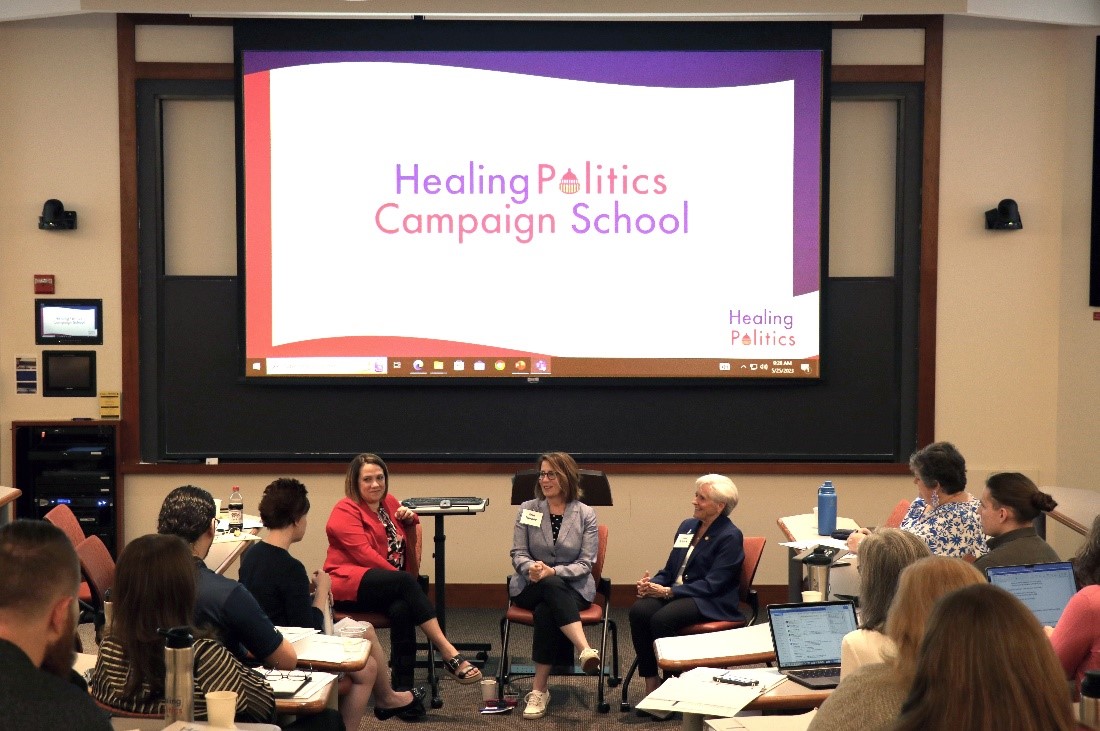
pixel 652 618
pixel 326 720
pixel 554 604
pixel 397 595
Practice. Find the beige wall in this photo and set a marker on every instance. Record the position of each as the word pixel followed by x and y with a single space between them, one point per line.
pixel 1015 348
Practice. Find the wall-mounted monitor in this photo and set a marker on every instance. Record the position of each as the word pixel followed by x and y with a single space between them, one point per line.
pixel 68 373
pixel 68 321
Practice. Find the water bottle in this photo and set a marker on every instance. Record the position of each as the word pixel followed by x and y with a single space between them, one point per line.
pixel 826 509
pixel 1090 700
pixel 236 511
pixel 179 674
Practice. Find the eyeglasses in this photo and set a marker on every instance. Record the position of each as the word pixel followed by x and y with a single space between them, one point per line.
pixel 296 676
pixel 547 475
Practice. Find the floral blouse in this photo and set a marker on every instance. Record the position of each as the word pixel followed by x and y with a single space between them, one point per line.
pixel 949 529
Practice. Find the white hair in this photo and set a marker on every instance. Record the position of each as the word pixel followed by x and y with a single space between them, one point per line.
pixel 722 490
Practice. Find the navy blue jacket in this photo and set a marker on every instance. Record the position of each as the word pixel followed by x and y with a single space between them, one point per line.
pixel 712 576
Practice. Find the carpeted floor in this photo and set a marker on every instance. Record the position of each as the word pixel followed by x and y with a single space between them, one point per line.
pixel 572 699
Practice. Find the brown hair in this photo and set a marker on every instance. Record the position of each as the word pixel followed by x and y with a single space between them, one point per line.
pixel 1086 564
pixel 569 475
pixel 351 479
pixel 284 503
pixel 986 665
pixel 882 556
pixel 920 585
pixel 154 588
pixel 186 512
pixel 1019 494
pixel 40 567
pixel 940 465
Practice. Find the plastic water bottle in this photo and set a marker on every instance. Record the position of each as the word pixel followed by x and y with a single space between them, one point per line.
pixel 236 511
pixel 826 508
pixel 179 674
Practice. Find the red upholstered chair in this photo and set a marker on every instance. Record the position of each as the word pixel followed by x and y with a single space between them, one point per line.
pixel 754 549
pixel 899 511
pixel 413 553
pixel 65 519
pixel 98 566
pixel 596 614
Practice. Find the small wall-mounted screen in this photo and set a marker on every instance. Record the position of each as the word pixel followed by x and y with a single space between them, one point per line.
pixel 68 373
pixel 68 322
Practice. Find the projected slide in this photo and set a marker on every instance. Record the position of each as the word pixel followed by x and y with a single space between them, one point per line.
pixel 532 214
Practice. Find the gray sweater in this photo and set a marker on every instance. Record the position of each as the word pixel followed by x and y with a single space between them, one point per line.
pixel 869 699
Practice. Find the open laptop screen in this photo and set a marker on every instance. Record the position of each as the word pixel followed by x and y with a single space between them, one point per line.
pixel 809 635
pixel 1045 588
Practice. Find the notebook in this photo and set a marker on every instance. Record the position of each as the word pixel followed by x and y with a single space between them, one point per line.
pixel 1045 588
pixel 807 640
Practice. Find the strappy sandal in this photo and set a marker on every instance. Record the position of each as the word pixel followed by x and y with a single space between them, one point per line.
pixel 464 675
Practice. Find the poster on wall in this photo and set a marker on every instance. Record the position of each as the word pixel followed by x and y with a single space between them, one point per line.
pixel 26 374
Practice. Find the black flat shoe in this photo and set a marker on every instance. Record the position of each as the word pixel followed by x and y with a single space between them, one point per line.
pixel 408 712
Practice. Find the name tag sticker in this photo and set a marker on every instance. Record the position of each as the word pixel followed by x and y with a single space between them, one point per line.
pixel 531 517
pixel 682 541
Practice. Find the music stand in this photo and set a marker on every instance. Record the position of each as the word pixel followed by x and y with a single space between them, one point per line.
pixel 594 483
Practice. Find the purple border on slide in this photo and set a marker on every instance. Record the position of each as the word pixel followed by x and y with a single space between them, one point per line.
pixel 677 69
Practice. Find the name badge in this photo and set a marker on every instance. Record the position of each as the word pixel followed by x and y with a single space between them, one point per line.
pixel 532 518
pixel 683 540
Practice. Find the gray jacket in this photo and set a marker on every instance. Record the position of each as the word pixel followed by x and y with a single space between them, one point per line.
pixel 572 557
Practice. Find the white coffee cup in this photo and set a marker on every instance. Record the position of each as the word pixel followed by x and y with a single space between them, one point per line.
pixel 217 505
pixel 811 596
pixel 221 708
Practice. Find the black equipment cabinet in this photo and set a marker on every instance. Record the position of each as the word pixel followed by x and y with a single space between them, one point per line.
pixel 72 463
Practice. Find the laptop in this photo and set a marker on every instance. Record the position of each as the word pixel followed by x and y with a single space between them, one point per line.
pixel 1045 588
pixel 807 640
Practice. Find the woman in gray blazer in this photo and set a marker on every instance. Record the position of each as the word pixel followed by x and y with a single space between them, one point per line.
pixel 553 550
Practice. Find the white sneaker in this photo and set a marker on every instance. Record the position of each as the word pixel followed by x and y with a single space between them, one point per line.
pixel 536 704
pixel 590 661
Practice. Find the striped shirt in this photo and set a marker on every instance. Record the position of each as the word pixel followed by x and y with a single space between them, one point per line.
pixel 215 669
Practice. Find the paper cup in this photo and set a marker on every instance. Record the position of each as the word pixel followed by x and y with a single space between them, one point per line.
pixel 811 596
pixel 217 505
pixel 489 693
pixel 221 708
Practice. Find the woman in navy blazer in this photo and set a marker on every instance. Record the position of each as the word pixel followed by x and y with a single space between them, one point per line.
pixel 553 550
pixel 700 581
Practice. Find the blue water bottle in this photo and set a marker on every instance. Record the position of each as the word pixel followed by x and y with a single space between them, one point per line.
pixel 826 509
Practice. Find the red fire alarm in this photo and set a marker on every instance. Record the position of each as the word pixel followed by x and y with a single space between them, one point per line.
pixel 43 284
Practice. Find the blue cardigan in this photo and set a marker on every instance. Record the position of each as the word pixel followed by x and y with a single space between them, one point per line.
pixel 712 576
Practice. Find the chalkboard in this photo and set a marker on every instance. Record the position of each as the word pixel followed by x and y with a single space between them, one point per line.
pixel 194 403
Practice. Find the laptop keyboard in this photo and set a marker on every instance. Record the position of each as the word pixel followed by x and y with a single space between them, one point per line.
pixel 430 502
pixel 816 673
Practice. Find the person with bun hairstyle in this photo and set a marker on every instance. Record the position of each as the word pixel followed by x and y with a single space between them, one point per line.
pixel 1009 504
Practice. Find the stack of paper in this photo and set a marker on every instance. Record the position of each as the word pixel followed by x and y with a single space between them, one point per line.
pixel 696 691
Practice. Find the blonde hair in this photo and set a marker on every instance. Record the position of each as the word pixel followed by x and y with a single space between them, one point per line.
pixel 920 585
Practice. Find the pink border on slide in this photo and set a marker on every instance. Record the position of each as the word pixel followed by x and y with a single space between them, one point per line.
pixel 257 214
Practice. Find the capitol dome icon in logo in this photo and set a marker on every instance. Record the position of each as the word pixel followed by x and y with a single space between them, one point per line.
pixel 569 183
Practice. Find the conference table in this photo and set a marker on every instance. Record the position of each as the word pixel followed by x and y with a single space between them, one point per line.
pixel 803 530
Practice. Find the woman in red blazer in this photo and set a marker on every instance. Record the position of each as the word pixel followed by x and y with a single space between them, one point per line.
pixel 366 560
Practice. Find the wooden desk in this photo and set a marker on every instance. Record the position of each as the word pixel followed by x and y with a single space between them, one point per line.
pixel 789 696
pixel 307 706
pixel 227 548
pixel 803 528
pixel 8 496
pixel 726 649
pixel 328 653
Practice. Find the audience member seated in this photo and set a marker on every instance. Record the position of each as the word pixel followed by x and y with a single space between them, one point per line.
pixel 943 514
pixel 699 581
pixel 281 586
pixel 155 589
pixel 366 560
pixel 554 545
pixel 1008 505
pixel 881 559
pixel 1076 639
pixel 985 664
pixel 224 604
pixel 870 698
pixel 38 618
